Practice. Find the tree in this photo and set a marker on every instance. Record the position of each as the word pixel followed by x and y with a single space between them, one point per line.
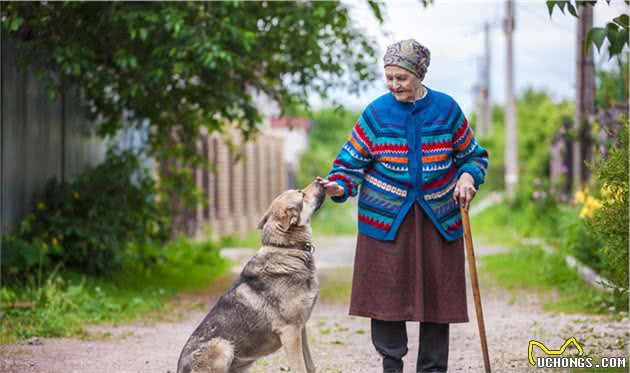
pixel 187 65
pixel 616 31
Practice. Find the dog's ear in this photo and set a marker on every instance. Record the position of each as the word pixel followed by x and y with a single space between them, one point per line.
pixel 263 220
pixel 288 220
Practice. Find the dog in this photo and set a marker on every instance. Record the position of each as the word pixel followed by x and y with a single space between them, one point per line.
pixel 269 305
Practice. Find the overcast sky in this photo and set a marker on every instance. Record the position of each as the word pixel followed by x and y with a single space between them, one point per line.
pixel 544 48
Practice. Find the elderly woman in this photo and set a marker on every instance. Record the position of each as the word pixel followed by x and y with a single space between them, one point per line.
pixel 413 160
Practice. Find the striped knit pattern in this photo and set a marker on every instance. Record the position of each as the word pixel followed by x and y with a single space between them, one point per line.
pixel 400 153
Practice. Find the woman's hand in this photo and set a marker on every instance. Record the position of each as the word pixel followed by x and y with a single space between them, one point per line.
pixel 465 190
pixel 332 189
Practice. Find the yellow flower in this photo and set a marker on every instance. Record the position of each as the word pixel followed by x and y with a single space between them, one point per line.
pixel 590 205
pixel 41 206
pixel 76 195
pixel 55 242
pixel 580 196
pixel 44 245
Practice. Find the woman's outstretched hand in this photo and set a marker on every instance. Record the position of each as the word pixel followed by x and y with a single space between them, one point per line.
pixel 332 189
pixel 465 190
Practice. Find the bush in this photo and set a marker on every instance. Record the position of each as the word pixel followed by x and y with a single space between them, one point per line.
pixel 90 223
pixel 576 240
pixel 610 221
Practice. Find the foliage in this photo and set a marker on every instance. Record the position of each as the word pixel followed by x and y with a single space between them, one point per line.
pixel 531 268
pixel 68 300
pixel 184 66
pixel 610 221
pixel 89 223
pixel 576 240
pixel 616 31
pixel 538 119
pixel 612 87
pixel 330 130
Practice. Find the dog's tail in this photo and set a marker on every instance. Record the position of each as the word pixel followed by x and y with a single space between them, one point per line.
pixel 214 356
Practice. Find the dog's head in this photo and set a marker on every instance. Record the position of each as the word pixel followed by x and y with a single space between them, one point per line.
pixel 294 208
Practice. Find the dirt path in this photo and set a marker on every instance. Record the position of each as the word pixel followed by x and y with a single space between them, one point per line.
pixel 339 343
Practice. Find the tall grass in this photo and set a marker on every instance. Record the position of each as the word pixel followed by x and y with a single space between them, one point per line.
pixel 69 300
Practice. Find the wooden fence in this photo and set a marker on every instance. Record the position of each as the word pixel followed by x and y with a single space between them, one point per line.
pixel 237 194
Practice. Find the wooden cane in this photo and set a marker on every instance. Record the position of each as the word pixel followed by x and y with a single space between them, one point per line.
pixel 475 288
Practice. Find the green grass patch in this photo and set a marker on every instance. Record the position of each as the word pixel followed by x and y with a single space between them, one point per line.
pixel 531 269
pixel 250 239
pixel 335 285
pixel 334 219
pixel 67 301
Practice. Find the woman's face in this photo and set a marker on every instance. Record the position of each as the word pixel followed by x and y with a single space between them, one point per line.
pixel 403 84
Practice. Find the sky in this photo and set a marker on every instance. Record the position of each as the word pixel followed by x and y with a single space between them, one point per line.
pixel 544 48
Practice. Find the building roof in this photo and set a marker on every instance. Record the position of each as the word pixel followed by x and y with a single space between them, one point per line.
pixel 297 123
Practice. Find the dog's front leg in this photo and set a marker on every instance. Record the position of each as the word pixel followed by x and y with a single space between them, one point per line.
pixel 310 367
pixel 291 338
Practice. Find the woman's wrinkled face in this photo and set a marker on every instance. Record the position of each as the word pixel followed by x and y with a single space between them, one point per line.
pixel 403 84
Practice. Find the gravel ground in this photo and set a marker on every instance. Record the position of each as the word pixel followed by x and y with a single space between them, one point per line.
pixel 339 343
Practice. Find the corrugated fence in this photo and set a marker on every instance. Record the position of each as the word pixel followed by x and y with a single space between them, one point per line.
pixel 41 139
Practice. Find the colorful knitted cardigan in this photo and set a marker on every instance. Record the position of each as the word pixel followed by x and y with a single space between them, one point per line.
pixel 401 152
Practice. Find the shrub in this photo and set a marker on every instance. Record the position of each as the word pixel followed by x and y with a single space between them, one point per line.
pixel 576 240
pixel 89 223
pixel 610 221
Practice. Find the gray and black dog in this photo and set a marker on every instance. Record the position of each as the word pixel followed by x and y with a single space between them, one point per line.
pixel 269 305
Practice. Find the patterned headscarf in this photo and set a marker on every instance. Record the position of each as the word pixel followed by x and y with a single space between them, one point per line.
pixel 410 55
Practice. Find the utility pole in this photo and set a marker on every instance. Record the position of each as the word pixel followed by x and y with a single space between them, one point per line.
pixel 511 144
pixel 487 106
pixel 584 99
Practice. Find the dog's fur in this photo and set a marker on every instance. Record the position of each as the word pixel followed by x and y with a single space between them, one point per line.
pixel 270 303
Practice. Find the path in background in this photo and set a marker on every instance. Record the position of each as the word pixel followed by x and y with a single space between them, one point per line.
pixel 339 343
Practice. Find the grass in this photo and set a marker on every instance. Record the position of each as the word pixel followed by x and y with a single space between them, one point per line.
pixel 250 239
pixel 529 268
pixel 560 287
pixel 335 285
pixel 68 300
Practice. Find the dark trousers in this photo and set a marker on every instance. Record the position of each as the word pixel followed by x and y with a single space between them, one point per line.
pixel 390 340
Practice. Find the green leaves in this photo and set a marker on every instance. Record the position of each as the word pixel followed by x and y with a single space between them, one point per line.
pixel 616 31
pixel 183 65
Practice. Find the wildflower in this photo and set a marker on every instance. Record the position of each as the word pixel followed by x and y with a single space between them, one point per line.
pixel 543 194
pixel 41 206
pixel 44 246
pixel 580 196
pixel 590 205
pixel 535 195
pixel 76 195
pixel 55 242
pixel 537 181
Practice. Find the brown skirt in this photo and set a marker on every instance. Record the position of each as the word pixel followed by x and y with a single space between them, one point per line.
pixel 419 276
